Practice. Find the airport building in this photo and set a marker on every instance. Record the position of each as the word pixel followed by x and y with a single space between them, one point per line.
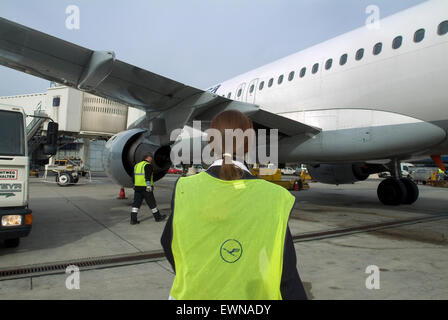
pixel 85 120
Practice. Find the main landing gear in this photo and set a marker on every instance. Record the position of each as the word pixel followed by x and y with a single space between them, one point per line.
pixel 397 190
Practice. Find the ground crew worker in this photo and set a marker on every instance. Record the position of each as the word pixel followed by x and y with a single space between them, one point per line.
pixel 144 189
pixel 441 175
pixel 228 236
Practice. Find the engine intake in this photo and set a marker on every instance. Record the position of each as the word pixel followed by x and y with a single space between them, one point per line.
pixel 127 148
pixel 338 173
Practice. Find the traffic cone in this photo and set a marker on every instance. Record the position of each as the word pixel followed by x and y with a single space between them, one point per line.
pixel 296 186
pixel 122 195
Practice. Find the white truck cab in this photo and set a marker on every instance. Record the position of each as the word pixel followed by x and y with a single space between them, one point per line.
pixel 15 216
pixel 406 169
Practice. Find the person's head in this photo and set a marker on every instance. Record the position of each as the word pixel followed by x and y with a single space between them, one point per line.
pixel 233 120
pixel 147 157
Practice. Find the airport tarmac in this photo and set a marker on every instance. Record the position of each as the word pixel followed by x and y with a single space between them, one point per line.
pixel 84 221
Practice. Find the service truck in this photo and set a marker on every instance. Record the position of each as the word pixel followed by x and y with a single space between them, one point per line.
pixel 16 217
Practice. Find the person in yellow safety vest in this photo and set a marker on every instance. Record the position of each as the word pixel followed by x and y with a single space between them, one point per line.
pixel 144 189
pixel 441 175
pixel 228 235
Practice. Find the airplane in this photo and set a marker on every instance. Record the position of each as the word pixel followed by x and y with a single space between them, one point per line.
pixel 348 107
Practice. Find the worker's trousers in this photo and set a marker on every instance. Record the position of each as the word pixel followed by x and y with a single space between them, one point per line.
pixel 149 198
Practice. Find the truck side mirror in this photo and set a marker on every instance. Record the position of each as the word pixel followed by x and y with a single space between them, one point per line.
pixel 50 148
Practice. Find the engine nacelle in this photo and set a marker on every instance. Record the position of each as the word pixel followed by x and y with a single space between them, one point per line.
pixel 127 148
pixel 337 173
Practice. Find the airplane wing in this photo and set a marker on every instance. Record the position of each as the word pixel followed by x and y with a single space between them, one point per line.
pixel 100 73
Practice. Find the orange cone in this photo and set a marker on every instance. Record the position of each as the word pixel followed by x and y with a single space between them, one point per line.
pixel 296 186
pixel 122 195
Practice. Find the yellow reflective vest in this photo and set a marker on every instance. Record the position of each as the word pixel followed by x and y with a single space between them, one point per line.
pixel 228 238
pixel 139 174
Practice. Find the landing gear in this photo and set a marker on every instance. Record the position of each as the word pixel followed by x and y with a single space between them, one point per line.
pixel 411 191
pixel 397 190
pixel 391 192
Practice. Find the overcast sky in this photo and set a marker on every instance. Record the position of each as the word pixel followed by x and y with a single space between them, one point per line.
pixel 197 42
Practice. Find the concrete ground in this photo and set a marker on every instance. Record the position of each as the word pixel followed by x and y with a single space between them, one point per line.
pixel 88 221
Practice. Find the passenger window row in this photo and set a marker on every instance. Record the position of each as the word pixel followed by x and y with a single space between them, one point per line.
pixel 397 42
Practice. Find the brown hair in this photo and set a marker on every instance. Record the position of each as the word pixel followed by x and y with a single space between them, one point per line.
pixel 231 119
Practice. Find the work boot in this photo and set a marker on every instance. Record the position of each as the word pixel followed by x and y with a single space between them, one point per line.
pixel 159 217
pixel 134 218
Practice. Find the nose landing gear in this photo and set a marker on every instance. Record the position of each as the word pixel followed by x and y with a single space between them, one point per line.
pixel 397 190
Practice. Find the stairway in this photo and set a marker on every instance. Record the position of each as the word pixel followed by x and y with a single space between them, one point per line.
pixel 35 128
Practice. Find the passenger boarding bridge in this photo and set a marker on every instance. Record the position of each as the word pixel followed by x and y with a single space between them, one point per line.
pixel 81 116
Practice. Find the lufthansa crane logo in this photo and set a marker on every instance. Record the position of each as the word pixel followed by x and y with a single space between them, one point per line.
pixel 231 251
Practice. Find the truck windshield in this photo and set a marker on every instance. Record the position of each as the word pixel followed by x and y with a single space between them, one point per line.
pixel 12 136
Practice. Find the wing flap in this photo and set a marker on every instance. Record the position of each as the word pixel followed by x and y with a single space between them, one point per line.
pixel 261 118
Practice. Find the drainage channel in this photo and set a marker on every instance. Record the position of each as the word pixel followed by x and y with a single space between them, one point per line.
pixel 44 269
pixel 153 256
pixel 364 228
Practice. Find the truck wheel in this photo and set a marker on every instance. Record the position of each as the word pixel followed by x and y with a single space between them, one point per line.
pixel 12 243
pixel 64 179
pixel 75 179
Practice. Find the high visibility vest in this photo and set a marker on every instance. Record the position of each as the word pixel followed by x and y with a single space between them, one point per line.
pixel 139 174
pixel 228 238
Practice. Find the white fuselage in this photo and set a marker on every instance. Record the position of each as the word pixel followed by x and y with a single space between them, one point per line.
pixel 400 86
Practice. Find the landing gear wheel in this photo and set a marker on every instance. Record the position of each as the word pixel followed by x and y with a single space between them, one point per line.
pixel 391 192
pixel 12 243
pixel 64 179
pixel 411 191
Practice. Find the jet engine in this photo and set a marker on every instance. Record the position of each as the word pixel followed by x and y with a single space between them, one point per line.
pixel 338 173
pixel 127 148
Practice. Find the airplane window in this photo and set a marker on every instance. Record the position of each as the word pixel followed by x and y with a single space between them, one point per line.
pixel 359 54
pixel 302 72
pixel 271 81
pixel 229 95
pixel 343 59
pixel 291 75
pixel 239 92
pixel 443 28
pixel 377 48
pixel 280 79
pixel 315 68
pixel 261 85
pixel 252 87
pixel 397 42
pixel 419 35
pixel 328 64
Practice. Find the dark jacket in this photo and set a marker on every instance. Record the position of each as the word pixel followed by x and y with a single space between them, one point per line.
pixel 148 173
pixel 291 286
